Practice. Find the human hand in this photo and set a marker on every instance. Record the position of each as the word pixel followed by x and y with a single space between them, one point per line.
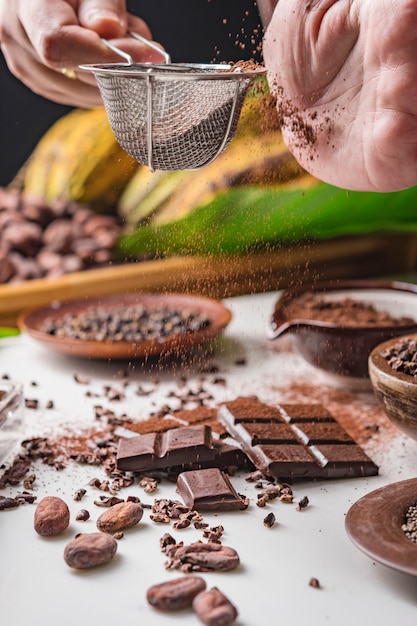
pixel 42 37
pixel 345 75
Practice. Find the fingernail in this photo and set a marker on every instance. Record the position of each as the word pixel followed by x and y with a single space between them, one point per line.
pixel 99 15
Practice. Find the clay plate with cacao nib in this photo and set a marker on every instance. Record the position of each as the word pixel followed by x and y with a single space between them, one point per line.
pixel 374 523
pixel 210 317
pixel 335 325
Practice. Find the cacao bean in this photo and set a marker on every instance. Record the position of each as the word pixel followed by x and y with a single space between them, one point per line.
pixel 29 227
pixel 90 550
pixel 24 237
pixel 214 609
pixel 120 516
pixel 203 557
pixel 175 594
pixel 58 236
pixel 52 516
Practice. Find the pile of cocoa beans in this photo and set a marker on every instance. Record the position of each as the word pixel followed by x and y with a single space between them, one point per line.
pixel 46 240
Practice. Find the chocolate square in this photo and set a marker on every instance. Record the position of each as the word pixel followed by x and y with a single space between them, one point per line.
pixel 209 490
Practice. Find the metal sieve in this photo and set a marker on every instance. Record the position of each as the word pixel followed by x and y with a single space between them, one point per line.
pixel 171 116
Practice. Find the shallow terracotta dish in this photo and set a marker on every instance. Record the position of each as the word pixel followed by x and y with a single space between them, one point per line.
pixel 374 522
pixel 396 392
pixel 343 351
pixel 33 321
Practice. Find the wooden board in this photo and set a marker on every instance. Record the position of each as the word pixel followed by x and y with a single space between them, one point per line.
pixel 347 257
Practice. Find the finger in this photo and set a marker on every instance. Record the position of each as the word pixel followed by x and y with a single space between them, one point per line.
pixel 108 18
pixel 50 84
pixel 42 23
pixel 137 25
pixel 70 45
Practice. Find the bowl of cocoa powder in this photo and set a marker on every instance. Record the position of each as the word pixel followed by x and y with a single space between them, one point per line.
pixel 393 373
pixel 335 325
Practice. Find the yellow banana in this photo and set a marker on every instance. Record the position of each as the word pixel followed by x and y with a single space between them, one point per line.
pixel 262 160
pixel 84 163
pixel 46 152
pixel 147 191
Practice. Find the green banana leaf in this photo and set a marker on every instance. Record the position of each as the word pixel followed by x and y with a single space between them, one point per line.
pixel 8 331
pixel 250 218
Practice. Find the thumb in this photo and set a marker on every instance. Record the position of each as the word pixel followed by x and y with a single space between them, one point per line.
pixel 108 18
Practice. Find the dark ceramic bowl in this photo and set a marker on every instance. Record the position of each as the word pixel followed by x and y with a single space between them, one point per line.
pixel 341 350
pixel 396 392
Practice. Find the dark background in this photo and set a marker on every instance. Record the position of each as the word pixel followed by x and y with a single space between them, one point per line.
pixel 190 30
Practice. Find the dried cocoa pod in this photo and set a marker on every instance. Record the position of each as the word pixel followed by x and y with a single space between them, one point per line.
pixel 214 609
pixel 120 516
pixel 90 550
pixel 52 516
pixel 205 557
pixel 175 594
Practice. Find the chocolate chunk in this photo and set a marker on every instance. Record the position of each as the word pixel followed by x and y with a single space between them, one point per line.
pixel 228 456
pixel 303 441
pixel 152 425
pixel 202 415
pixel 306 413
pixel 209 490
pixel 176 447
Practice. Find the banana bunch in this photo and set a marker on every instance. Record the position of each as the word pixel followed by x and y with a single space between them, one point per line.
pixel 257 156
pixel 79 159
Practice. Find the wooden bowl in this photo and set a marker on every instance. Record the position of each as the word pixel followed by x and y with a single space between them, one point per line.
pixel 396 392
pixel 343 351
pixel 33 321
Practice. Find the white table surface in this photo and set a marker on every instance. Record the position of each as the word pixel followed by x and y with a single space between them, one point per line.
pixel 272 584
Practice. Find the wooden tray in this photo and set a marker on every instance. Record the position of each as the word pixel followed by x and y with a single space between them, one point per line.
pixel 346 257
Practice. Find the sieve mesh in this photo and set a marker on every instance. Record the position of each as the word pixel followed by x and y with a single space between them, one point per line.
pixel 172 124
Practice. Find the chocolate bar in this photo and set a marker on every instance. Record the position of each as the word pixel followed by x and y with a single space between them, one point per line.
pixel 185 417
pixel 201 415
pixel 209 490
pixel 159 450
pixel 294 441
pixel 228 456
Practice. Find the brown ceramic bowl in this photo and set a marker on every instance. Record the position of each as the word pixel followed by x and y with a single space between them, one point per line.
pixel 396 392
pixel 340 350
pixel 219 316
pixel 374 523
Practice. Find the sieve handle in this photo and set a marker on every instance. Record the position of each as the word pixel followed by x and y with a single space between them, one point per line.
pixel 127 56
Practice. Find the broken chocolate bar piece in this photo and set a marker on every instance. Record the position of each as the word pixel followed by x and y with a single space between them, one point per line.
pixel 209 490
pixel 228 456
pixel 160 450
pixel 300 441
pixel 201 415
